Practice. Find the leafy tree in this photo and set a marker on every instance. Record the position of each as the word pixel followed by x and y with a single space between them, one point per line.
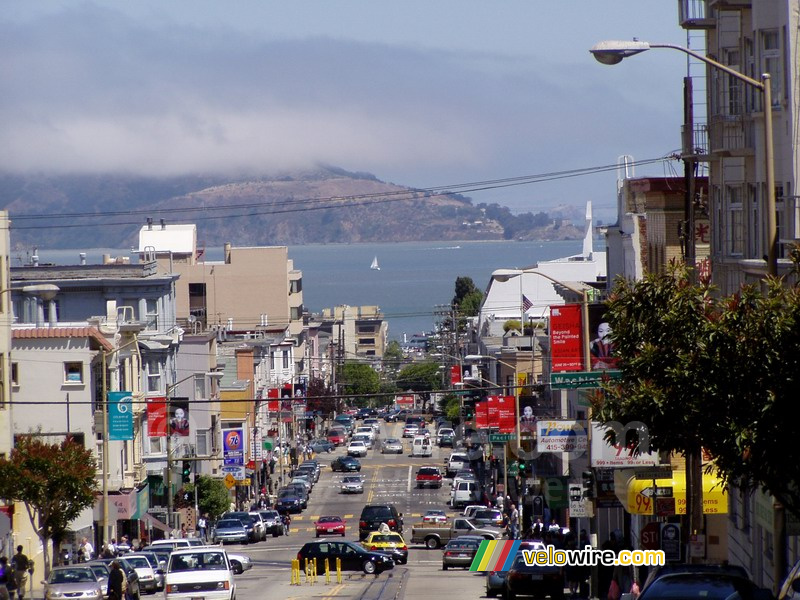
pixel 321 397
pixel 512 324
pixel 359 379
pixel 468 298
pixel 452 408
pixel 422 378
pixel 56 482
pixel 214 497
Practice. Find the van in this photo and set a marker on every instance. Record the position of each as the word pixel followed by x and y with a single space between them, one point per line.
pixel 464 492
pixel 421 446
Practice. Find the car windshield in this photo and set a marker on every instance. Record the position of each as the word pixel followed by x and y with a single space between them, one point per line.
pixel 392 538
pixel 226 523
pixel 376 512
pixel 99 570
pixel 329 520
pixel 269 514
pixel 72 576
pixel 352 479
pixel 429 471
pixel 207 561
pixel 138 562
pixel 391 441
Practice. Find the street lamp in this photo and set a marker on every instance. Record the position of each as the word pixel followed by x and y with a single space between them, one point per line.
pixel 611 52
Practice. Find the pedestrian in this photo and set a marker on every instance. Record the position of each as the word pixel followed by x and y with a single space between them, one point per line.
pixel 22 566
pixel 201 526
pixel 5 578
pixel 88 549
pixel 184 532
pixel 513 520
pixel 499 502
pixel 116 582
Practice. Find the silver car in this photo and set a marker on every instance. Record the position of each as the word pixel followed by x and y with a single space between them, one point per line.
pixel 352 484
pixel 72 581
pixel 230 530
pixel 392 446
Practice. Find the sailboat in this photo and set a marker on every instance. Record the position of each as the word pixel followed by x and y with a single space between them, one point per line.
pixel 374 264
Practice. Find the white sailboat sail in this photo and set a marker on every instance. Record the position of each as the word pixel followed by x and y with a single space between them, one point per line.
pixel 374 264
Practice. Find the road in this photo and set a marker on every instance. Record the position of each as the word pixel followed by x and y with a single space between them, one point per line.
pixel 387 479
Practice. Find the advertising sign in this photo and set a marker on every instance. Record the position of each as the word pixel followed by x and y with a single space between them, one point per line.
pixel 233 446
pixel 671 541
pixel 179 416
pixel 493 406
pixel 566 341
pixel 506 414
pixel 455 374
pixel 157 417
pixel 273 402
pixel 482 415
pixel 601 348
pixel 120 416
pixel 559 435
pixel 617 455
pixel 404 401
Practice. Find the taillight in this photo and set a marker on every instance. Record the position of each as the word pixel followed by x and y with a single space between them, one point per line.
pixel 299 557
pixel 392 523
pixel 373 548
pixel 404 548
pixel 362 524
pixel 448 553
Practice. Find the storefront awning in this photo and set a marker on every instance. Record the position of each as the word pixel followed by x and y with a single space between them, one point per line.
pixel 665 497
pixel 151 521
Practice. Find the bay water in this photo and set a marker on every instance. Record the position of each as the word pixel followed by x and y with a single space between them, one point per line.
pixel 414 278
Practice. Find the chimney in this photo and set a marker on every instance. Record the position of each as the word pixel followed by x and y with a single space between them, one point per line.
pixel 150 223
pixel 163 224
pixel 83 257
pixel 35 260
pixel 227 253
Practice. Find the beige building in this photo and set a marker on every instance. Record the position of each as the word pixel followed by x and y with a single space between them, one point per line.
pixel 356 332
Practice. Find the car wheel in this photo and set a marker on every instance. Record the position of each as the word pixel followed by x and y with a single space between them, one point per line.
pixel 490 593
pixel 237 567
pixel 316 534
pixel 369 567
pixel 444 567
pixel 342 535
pixel 431 543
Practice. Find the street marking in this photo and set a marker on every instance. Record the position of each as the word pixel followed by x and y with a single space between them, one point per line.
pixel 408 489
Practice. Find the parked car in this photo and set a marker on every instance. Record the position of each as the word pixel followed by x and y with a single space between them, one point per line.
pixel 459 553
pixel 446 437
pixel 158 567
pixel 373 515
pixel 204 572
pixel 357 448
pixel 330 525
pixel 463 492
pixel 655 572
pixel 353 557
pixel 239 563
pixel 496 580
pixel 345 463
pixel 101 571
pixel 374 423
pixel 130 574
pixel 352 484
pixel 391 543
pixel 261 527
pixel 145 572
pixel 320 445
pixel 72 581
pixel 540 581
pixel 699 584
pixel 289 502
pixel 429 477
pixel 488 516
pixel 299 490
pixel 272 521
pixel 362 437
pixel 230 530
pixel 392 446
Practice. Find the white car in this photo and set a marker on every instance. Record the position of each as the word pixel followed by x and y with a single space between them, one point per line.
pixel 239 562
pixel 352 484
pixel 363 437
pixel 374 423
pixel 204 572
pixel 357 448
pixel 144 571
pixel 366 430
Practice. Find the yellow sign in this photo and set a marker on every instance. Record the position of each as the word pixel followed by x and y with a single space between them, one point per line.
pixel 230 481
pixel 641 494
pixel 245 481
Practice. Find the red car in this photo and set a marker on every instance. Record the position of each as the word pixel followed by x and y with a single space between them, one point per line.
pixel 429 477
pixel 336 437
pixel 330 526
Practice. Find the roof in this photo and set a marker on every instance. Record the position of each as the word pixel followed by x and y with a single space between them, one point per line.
pixel 40 333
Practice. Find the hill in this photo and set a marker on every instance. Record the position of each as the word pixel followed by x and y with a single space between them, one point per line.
pixel 325 205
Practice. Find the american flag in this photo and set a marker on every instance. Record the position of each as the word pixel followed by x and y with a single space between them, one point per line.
pixel 526 303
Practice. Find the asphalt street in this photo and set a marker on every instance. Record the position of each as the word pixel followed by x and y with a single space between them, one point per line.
pixel 387 479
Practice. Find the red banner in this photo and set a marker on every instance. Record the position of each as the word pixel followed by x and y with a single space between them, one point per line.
pixel 494 411
pixel 507 414
pixel 482 415
pixel 273 404
pixel 157 417
pixel 566 339
pixel 455 374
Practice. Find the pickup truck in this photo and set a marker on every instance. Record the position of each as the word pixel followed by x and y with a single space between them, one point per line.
pixel 434 535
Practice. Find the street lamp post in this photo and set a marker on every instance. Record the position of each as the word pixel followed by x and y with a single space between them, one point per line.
pixel 612 52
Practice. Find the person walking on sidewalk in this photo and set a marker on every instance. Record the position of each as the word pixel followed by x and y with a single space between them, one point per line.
pixel 22 566
pixel 513 521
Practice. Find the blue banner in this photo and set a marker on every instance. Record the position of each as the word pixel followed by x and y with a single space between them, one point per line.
pixel 120 416
pixel 233 446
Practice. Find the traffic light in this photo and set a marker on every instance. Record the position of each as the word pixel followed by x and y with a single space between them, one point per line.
pixel 588 484
pixel 186 472
pixel 523 469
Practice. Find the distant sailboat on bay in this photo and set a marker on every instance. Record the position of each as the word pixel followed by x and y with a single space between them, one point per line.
pixel 375 265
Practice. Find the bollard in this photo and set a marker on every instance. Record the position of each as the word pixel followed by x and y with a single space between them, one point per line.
pixel 314 570
pixel 295 572
pixel 338 570
pixel 327 572
pixel 305 569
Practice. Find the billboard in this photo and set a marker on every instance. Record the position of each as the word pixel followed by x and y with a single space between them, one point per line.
pixel 560 435
pixel 482 415
pixel 120 416
pixel 273 404
pixel 617 455
pixel 455 374
pixel 527 418
pixel 566 340
pixel 601 347
pixel 233 445
pixel 157 417
pixel 507 414
pixel 179 417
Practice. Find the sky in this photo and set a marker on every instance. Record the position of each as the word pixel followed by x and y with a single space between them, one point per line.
pixel 418 93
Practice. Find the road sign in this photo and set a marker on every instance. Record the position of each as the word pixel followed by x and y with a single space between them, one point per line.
pixel 501 437
pixel 572 380
pixel 665 507
pixel 650 536
pixel 671 541
pixel 244 482
pixel 662 492
pixel 538 506
pixel 230 481
pixel 654 473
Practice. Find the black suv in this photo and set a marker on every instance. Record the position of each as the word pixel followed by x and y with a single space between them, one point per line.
pixel 372 515
pixel 353 557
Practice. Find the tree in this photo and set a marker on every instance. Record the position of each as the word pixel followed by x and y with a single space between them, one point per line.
pixel 452 408
pixel 468 298
pixel 359 379
pixel 213 498
pixel 422 378
pixel 686 355
pixel 56 482
pixel 321 398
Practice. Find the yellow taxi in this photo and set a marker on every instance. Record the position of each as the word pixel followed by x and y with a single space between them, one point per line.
pixel 391 543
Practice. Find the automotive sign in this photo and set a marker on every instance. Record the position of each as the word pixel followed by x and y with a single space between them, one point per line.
pixel 556 435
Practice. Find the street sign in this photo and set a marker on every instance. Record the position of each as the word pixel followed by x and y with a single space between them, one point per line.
pixel 665 507
pixel 513 469
pixel 538 506
pixel 501 437
pixel 230 481
pixel 572 380
pixel 661 492
pixel 244 482
pixel 654 473
pixel 650 536
pixel 671 541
